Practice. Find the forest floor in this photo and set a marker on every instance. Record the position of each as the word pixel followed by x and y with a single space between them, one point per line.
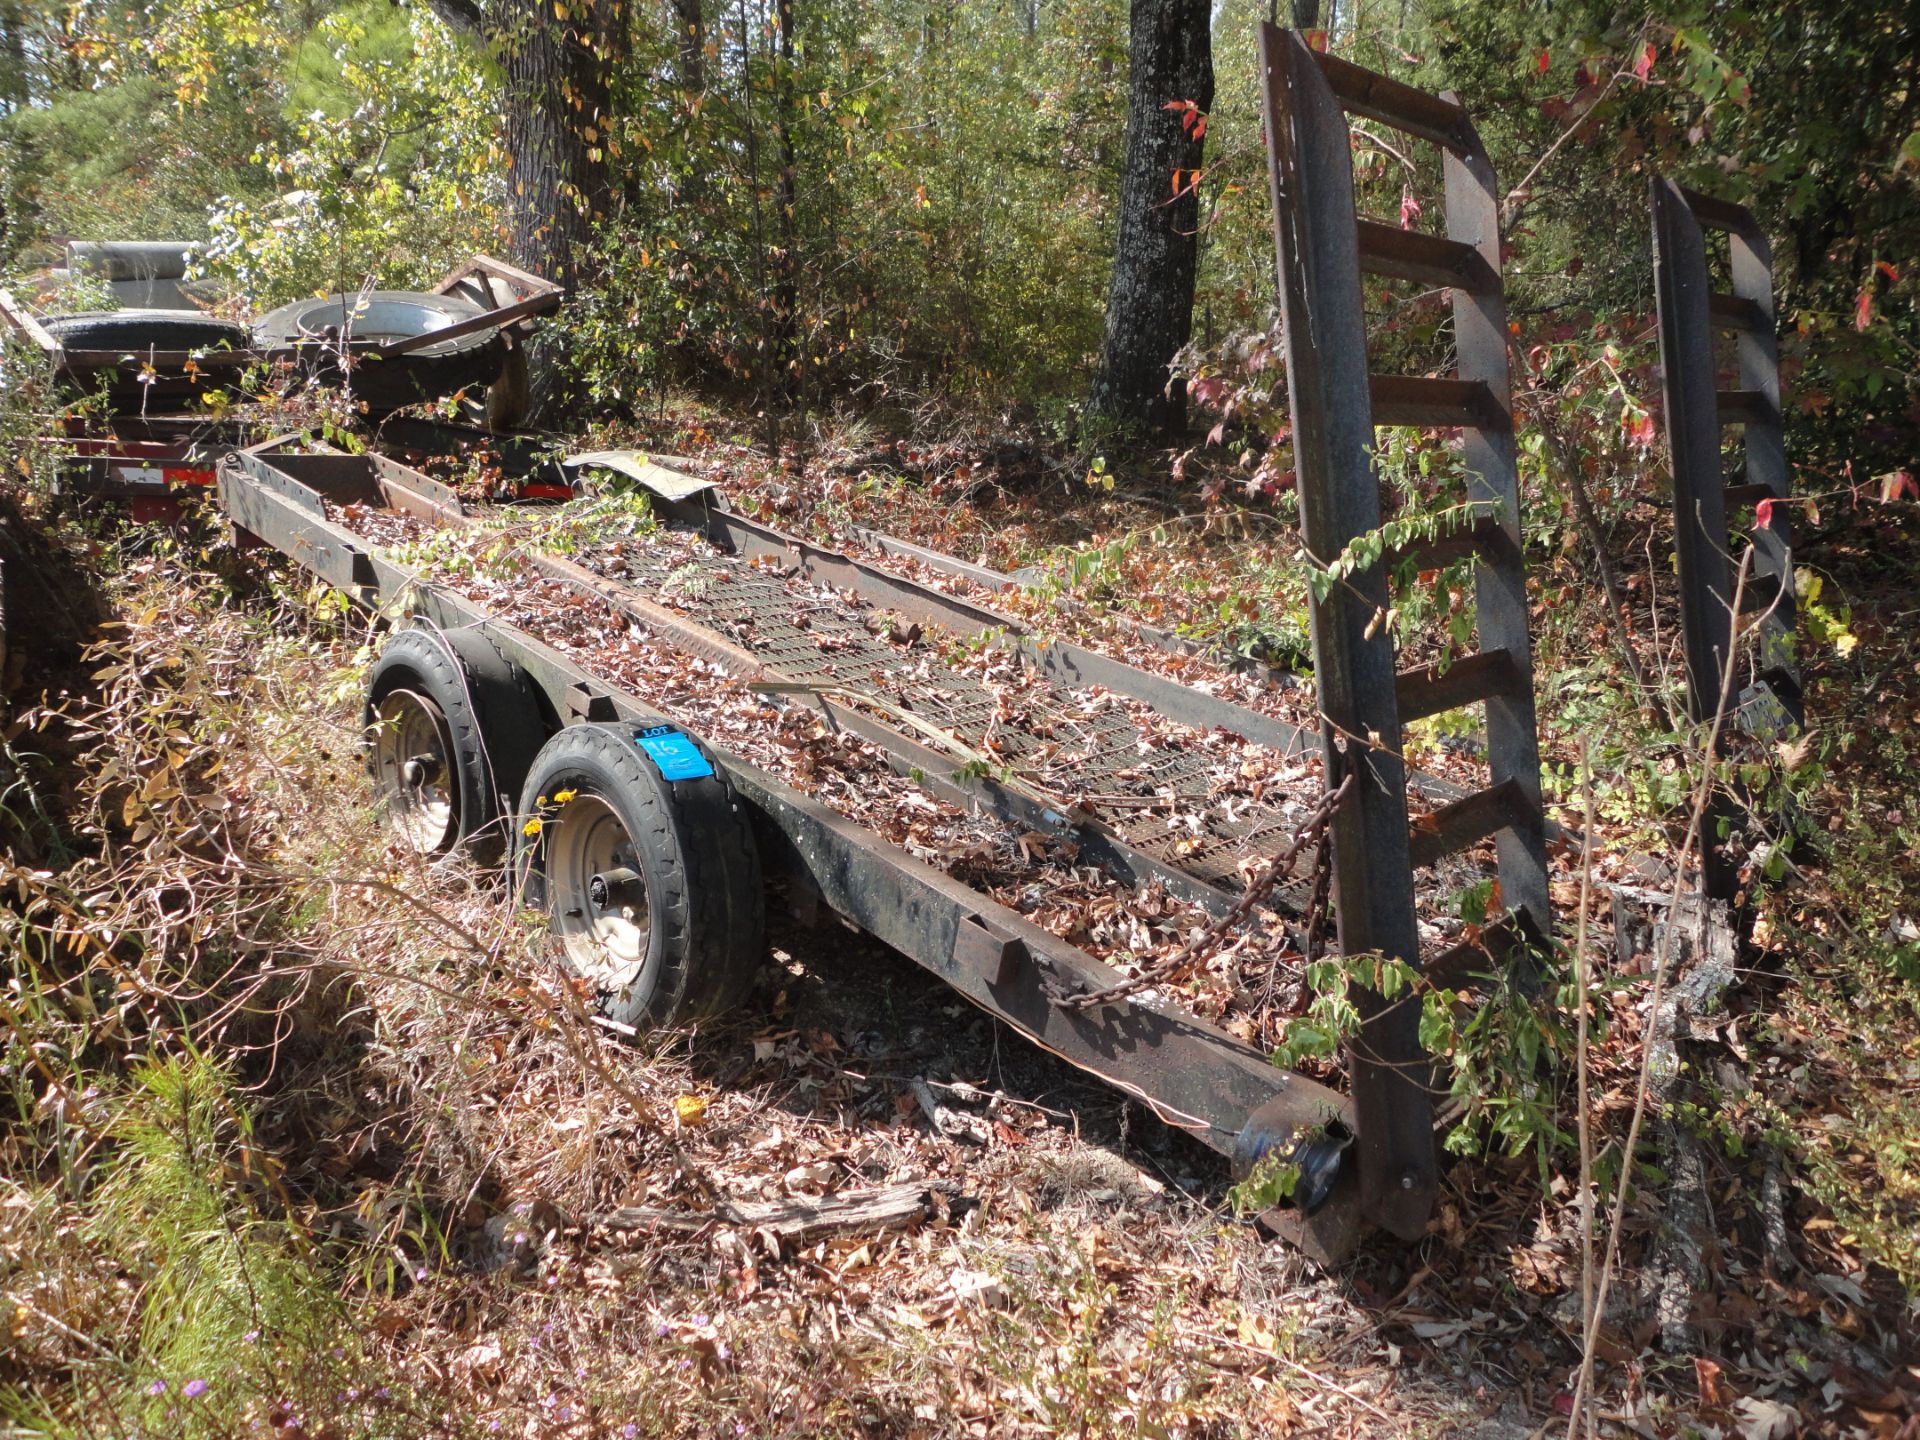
pixel 405 1201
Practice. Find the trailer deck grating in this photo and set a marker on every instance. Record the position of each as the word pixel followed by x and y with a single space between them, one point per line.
pixel 1210 804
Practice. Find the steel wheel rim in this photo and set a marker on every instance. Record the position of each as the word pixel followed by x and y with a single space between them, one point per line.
pixel 413 767
pixel 599 902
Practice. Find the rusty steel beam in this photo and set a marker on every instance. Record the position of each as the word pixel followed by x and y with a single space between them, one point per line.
pixel 1317 247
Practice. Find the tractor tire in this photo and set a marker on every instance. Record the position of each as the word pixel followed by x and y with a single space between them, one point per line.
pixel 331 338
pixel 134 331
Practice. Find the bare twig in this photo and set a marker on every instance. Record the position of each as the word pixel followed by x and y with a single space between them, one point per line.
pixel 1703 791
pixel 1581 991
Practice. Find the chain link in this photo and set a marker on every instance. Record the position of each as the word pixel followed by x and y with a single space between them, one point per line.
pixel 1315 831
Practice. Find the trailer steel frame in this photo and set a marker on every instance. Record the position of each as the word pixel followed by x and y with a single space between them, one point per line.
pixel 1194 1075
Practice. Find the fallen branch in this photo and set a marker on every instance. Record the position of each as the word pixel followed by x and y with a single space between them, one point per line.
pixel 798 1220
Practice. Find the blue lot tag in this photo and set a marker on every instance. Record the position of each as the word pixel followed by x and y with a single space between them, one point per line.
pixel 673 754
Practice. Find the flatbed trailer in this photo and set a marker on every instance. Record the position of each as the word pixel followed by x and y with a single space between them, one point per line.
pixel 629 814
pixel 318 509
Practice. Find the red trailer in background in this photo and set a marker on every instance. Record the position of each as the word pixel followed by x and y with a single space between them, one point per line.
pixel 154 438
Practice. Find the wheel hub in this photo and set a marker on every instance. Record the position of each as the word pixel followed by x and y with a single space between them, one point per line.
pixel 411 752
pixel 616 890
pixel 421 771
pixel 598 894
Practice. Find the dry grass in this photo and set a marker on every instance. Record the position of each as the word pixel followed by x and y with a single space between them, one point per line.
pixel 405 1132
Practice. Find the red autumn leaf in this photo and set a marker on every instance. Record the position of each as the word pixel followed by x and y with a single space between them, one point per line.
pixel 1640 430
pixel 1863 309
pixel 1643 63
pixel 1199 127
pixel 1714 1392
pixel 1544 62
pixel 1409 208
pixel 1887 270
pixel 1899 485
pixel 1763 514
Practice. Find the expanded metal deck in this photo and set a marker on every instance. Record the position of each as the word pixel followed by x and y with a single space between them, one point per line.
pixel 1209 804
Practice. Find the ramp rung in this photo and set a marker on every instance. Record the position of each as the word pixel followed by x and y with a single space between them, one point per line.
pixel 1391 103
pixel 1428 691
pixel 1454 827
pixel 1760 591
pixel 1426 259
pixel 1458 966
pixel 1486 539
pixel 1433 401
pixel 1743 407
pixel 1735 312
pixel 1717 214
pixel 1745 494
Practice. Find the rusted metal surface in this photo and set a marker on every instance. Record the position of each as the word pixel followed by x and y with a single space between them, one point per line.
pixel 1318 250
pixel 1705 498
pixel 1323 249
pixel 1691 311
pixel 1103 779
pixel 1195 1076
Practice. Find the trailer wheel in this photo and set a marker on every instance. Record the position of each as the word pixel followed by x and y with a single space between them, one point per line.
pixel 453 727
pixel 642 857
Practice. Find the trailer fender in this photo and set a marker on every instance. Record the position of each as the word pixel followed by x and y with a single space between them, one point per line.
pixel 638 850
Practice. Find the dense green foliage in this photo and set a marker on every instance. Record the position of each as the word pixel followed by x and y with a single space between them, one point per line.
pixel 832 205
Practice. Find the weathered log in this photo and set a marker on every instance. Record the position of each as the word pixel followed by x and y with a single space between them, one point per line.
pixel 796 1220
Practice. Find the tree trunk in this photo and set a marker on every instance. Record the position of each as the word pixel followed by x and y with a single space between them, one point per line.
pixel 786 290
pixel 555 103
pixel 13 57
pixel 692 23
pixel 558 77
pixel 1150 299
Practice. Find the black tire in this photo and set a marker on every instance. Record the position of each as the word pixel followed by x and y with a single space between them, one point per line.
pixel 309 332
pixel 682 848
pixel 133 331
pixel 489 728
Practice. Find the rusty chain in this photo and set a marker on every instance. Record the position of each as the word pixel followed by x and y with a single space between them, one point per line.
pixel 1314 831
